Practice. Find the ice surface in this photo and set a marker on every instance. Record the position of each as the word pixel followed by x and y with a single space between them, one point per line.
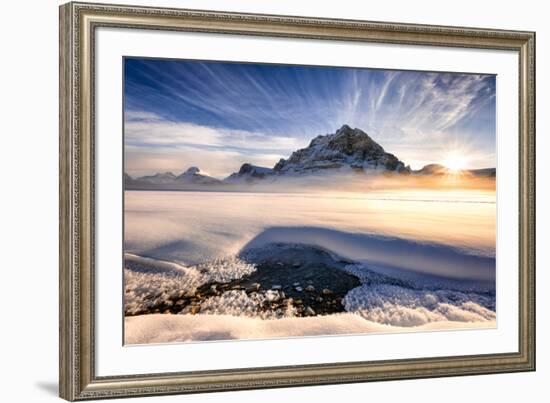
pixel 195 227
pixel 426 262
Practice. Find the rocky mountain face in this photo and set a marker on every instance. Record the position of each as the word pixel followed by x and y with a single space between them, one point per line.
pixel 346 149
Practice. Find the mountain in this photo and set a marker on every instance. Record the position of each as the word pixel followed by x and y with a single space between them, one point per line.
pixel 437 169
pixel 190 179
pixel 128 180
pixel 432 169
pixel 196 176
pixel 486 172
pixel 347 149
pixel 249 173
pixel 345 152
pixel 157 179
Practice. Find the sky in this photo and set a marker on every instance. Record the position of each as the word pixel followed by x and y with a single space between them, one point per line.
pixel 219 115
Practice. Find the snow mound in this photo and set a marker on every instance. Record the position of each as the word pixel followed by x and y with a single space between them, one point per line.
pixel 383 251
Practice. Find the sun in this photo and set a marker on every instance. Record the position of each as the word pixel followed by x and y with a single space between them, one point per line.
pixel 455 162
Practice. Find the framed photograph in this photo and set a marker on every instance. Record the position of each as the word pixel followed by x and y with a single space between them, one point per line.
pixel 254 201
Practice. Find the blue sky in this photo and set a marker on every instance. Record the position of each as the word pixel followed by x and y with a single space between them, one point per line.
pixel 218 115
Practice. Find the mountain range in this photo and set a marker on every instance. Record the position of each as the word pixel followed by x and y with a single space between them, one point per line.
pixel 346 151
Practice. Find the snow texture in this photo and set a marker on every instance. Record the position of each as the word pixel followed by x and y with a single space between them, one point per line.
pixel 146 277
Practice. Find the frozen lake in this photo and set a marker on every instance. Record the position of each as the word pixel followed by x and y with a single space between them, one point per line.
pixel 193 227
pixel 442 242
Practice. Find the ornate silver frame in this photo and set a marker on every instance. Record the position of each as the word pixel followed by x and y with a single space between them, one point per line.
pixel 78 22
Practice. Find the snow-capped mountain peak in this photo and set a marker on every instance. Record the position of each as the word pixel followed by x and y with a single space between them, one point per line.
pixel 195 175
pixel 346 149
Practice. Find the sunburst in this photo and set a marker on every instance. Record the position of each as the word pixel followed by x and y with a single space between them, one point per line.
pixel 455 162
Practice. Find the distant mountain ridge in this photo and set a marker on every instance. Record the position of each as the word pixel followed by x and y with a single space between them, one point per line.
pixel 347 151
pixel 167 180
pixel 438 169
pixel 195 175
pixel 249 173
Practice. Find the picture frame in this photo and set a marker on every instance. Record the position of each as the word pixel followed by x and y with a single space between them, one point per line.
pixel 79 23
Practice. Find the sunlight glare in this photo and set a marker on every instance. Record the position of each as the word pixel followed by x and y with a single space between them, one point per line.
pixel 455 162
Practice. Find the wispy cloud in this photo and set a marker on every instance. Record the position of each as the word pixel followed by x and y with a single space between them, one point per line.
pixel 256 110
pixel 155 131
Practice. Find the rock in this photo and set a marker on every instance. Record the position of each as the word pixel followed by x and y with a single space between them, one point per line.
pixel 272 296
pixel 253 287
pixel 309 311
pixel 285 288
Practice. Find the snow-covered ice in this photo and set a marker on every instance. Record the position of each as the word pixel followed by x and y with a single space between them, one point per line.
pixel 425 262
